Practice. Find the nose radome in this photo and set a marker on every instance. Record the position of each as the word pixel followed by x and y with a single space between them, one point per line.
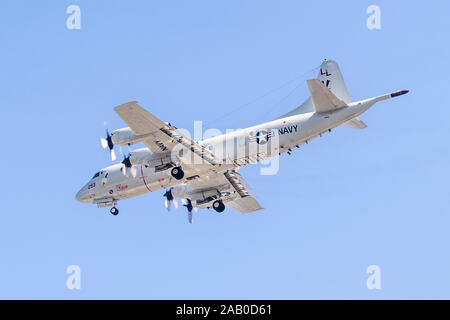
pixel 81 196
pixel 78 196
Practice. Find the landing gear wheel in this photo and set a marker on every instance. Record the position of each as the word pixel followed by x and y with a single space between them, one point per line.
pixel 114 211
pixel 177 173
pixel 218 206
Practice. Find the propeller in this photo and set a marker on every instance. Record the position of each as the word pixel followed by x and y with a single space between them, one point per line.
pixel 108 143
pixel 127 164
pixel 169 200
pixel 188 204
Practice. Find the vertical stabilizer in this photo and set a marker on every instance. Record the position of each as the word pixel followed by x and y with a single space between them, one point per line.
pixel 330 75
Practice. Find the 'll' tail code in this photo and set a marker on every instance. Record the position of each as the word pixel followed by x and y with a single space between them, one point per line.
pixel 330 75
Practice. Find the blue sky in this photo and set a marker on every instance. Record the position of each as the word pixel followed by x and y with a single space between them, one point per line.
pixel 343 202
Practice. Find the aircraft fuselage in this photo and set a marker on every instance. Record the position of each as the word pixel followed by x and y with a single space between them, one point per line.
pixel 239 148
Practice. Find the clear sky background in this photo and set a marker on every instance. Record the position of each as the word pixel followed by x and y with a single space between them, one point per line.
pixel 348 200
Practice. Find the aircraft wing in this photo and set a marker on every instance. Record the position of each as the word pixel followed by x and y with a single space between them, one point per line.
pixel 241 198
pixel 161 137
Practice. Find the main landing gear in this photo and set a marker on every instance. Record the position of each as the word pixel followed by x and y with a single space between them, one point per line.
pixel 114 211
pixel 218 206
pixel 177 173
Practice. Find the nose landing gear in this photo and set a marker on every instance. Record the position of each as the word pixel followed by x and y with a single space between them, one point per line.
pixel 114 211
pixel 108 202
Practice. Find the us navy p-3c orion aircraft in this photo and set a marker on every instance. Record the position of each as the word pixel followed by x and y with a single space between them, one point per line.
pixel 204 174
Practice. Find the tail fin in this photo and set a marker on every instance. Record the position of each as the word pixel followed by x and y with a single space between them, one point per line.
pixel 330 75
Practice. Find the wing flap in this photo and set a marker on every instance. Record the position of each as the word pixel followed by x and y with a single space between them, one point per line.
pixel 195 148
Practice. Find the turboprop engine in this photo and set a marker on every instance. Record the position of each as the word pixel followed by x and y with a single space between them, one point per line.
pixel 140 157
pixel 124 136
pixel 197 198
pixel 144 157
pixel 203 197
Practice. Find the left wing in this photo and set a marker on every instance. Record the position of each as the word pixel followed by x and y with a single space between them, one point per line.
pixel 245 202
pixel 161 137
pixel 237 194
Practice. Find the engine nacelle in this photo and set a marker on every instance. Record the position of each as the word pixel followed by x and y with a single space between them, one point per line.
pixel 206 196
pixel 146 158
pixel 181 191
pixel 197 198
pixel 124 136
pixel 140 157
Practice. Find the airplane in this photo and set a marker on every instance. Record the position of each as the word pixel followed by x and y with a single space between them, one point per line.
pixel 204 174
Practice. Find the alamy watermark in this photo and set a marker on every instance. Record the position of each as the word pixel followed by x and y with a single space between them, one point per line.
pixel 373 282
pixel 73 21
pixel 234 147
pixel 373 21
pixel 73 281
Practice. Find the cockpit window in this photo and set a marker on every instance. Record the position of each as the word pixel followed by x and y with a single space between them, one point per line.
pixel 96 175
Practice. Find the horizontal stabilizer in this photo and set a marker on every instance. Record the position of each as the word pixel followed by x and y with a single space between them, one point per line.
pixel 323 99
pixel 355 123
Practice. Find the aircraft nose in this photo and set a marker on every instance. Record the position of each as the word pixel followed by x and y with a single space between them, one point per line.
pixel 82 195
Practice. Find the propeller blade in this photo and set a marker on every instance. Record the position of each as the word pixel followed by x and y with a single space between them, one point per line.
pixel 195 209
pixel 124 170
pixel 190 217
pixel 113 155
pixel 133 172
pixel 167 204
pixel 108 143
pixel 184 202
pixel 126 162
pixel 170 199
pixel 104 143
